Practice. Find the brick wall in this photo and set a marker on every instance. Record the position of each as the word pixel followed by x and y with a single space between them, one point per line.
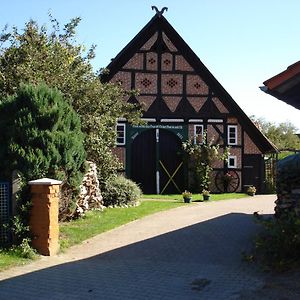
pixel 167 62
pixel 197 102
pixel 120 153
pixel 250 147
pixel 172 83
pixel 124 78
pixel 151 61
pixel 146 83
pixel 182 64
pixel 195 85
pixel 238 153
pixel 44 216
pixel 220 105
pixel 169 44
pixel 137 62
pixel 145 101
pixel 172 102
pixel 150 42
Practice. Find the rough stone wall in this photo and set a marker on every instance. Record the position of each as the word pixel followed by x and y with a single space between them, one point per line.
pixel 90 196
pixel 288 185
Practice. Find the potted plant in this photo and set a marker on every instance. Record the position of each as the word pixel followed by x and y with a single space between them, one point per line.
pixel 206 195
pixel 251 190
pixel 227 178
pixel 187 196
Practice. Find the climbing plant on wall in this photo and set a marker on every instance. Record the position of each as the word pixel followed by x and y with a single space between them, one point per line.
pixel 201 157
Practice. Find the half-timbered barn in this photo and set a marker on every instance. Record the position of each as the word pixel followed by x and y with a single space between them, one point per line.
pixel 181 100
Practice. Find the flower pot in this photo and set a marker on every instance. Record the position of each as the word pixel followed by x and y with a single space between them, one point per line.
pixel 187 199
pixel 206 197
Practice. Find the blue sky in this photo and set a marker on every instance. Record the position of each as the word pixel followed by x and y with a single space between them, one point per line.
pixel 242 43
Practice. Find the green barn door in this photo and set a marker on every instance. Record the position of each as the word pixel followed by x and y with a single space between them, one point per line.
pixel 143 161
pixel 156 162
pixel 170 163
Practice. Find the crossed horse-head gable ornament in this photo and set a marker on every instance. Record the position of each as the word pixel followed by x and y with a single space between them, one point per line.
pixel 159 12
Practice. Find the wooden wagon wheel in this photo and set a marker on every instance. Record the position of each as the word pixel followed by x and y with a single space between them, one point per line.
pixel 227 182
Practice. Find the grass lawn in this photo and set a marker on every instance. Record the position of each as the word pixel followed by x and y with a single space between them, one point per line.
pixel 197 197
pixel 10 258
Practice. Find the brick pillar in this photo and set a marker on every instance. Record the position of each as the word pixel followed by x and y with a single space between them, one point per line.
pixel 44 215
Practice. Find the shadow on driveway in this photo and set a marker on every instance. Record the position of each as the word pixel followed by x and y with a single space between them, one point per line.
pixel 202 261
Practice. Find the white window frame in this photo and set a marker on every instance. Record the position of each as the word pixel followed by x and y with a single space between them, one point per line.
pixel 234 165
pixel 235 133
pixel 195 132
pixel 124 134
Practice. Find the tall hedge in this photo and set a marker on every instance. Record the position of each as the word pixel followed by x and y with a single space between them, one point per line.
pixel 41 137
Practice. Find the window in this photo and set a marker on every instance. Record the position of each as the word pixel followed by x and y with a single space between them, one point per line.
pixel 198 134
pixel 232 135
pixel 232 161
pixel 120 134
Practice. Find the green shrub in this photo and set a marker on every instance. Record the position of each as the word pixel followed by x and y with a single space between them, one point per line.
pixel 42 138
pixel 120 191
pixel 278 246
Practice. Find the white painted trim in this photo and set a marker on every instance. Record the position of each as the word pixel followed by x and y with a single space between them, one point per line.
pixel 172 120
pixel 195 131
pixel 195 120
pixel 124 128
pixel 157 183
pixel 236 134
pixel 45 181
pixel 215 121
pixel 149 119
pixel 157 135
pixel 234 166
pixel 122 119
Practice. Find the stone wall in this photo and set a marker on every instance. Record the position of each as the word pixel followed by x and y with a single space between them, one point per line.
pixel 288 185
pixel 90 196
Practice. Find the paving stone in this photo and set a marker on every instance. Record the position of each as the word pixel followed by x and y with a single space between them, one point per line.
pixel 191 252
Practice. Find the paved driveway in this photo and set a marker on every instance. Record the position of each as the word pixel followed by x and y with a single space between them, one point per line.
pixel 191 252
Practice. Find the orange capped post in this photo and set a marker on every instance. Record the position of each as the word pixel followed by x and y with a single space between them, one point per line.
pixel 44 215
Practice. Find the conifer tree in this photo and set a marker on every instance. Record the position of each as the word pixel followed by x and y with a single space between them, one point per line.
pixel 42 137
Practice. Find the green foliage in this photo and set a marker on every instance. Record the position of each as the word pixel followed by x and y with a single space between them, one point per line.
pixel 120 191
pixel 42 134
pixel 54 57
pixel 201 158
pixel 283 135
pixel 24 250
pixel 12 257
pixel 42 138
pixel 278 247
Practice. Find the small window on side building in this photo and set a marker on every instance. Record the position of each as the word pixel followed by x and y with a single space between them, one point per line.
pixel 121 134
pixel 232 162
pixel 232 135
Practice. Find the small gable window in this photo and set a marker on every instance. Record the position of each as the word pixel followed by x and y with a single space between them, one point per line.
pixel 121 134
pixel 232 135
pixel 232 161
pixel 198 134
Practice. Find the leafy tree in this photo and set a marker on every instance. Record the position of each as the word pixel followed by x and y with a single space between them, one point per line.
pixel 36 54
pixel 282 135
pixel 42 138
